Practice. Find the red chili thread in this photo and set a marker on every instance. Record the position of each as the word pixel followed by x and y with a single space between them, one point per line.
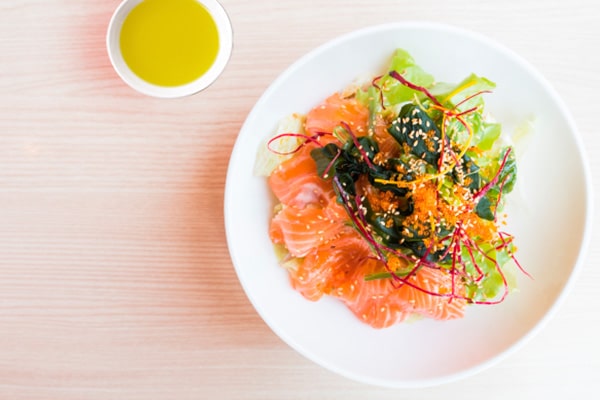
pixel 307 139
pixel 411 85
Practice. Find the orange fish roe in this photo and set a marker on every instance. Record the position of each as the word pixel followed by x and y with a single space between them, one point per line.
pixel 381 201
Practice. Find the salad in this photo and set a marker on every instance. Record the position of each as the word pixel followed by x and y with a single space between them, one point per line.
pixel 390 197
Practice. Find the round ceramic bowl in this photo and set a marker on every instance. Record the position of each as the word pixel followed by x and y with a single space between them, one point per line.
pixel 130 78
pixel 542 218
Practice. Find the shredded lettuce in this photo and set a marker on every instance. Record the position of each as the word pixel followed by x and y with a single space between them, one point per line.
pixel 269 157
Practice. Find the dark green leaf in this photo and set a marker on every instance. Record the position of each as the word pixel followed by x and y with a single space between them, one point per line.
pixel 347 182
pixel 323 157
pixel 484 208
pixel 415 131
pixel 369 146
pixel 388 227
pixel 467 174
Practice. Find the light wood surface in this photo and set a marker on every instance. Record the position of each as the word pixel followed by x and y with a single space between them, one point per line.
pixel 115 280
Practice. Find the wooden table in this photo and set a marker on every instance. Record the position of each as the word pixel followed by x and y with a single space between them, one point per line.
pixel 115 279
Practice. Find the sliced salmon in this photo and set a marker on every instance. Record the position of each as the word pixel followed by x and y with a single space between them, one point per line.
pixel 374 302
pixel 303 229
pixel 335 110
pixel 296 183
pixel 381 303
pixel 326 269
pixel 436 307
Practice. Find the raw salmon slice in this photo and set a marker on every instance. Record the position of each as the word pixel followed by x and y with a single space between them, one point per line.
pixel 334 110
pixel 296 183
pixel 436 307
pixel 381 304
pixel 327 268
pixel 374 302
pixel 303 229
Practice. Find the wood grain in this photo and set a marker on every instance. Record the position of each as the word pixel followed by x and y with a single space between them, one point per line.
pixel 115 280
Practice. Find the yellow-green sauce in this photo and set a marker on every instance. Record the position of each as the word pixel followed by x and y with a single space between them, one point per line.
pixel 169 42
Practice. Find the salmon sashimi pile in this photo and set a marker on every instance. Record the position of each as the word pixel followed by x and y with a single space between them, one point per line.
pixel 389 197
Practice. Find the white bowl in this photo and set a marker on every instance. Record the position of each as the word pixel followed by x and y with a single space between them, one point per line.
pixel 129 77
pixel 550 213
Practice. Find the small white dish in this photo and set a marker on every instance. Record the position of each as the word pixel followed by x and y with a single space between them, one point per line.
pixel 130 78
pixel 549 214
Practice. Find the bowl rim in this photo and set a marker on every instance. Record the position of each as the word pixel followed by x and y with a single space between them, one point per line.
pixel 588 201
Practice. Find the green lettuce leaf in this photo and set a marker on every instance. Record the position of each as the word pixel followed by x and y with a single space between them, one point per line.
pixel 393 91
pixel 451 95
